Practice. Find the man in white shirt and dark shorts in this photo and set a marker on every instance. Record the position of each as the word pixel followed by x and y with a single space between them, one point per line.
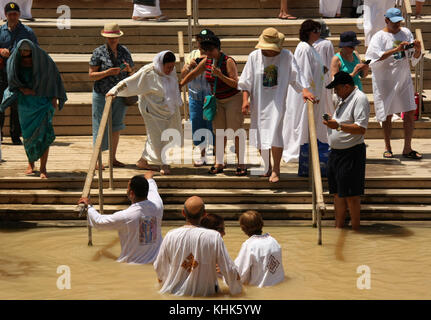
pixel 346 164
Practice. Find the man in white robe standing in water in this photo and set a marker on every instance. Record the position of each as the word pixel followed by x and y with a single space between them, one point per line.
pixel 392 83
pixel 374 11
pixel 186 263
pixel 265 80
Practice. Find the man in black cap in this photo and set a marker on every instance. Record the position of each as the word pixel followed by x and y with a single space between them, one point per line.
pixel 11 33
pixel 346 164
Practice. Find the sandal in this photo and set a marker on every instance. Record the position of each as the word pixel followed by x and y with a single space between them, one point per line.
pixel 388 154
pixel 288 17
pixel 413 155
pixel 162 19
pixel 240 172
pixel 214 170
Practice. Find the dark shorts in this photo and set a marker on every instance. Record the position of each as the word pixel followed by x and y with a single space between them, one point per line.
pixel 346 171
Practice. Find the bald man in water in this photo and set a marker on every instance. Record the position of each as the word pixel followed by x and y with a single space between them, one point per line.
pixel 188 255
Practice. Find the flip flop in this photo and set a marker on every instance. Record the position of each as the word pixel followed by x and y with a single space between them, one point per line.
pixel 240 172
pixel 289 17
pixel 413 155
pixel 162 19
pixel 388 154
pixel 214 170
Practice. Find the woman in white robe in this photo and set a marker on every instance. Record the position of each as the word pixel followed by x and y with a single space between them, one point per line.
pixel 156 84
pixel 330 8
pixel 265 79
pixel 325 49
pixel 295 131
pixel 374 16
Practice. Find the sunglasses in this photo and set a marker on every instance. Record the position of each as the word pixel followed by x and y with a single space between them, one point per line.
pixel 316 30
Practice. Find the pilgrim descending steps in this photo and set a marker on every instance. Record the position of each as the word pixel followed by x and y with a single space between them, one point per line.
pixel 144 10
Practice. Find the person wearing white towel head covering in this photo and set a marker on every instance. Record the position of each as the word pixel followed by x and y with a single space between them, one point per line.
pixel 374 11
pixel 156 84
pixel 392 83
pixel 330 8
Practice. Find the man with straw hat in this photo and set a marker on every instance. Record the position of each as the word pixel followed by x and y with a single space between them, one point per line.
pixel 264 81
pixel 109 64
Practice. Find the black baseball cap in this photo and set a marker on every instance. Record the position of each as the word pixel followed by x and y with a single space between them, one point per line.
pixel 11 6
pixel 341 78
pixel 211 40
pixel 204 33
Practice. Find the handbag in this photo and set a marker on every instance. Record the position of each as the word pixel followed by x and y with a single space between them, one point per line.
pixel 128 101
pixel 210 102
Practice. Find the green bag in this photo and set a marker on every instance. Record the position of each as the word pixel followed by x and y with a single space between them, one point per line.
pixel 210 102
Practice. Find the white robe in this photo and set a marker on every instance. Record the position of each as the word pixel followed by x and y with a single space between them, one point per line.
pixel 295 129
pixel 374 16
pixel 159 104
pixel 139 227
pixel 329 8
pixel 24 7
pixel 267 79
pixel 259 261
pixel 392 83
pixel 186 264
pixel 142 11
pixel 325 49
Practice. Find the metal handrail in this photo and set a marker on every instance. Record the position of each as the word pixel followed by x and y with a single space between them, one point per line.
pixel 315 175
pixel 419 71
pixel 97 157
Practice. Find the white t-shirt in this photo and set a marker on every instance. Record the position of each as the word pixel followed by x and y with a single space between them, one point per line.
pixel 186 264
pixel 139 227
pixel 259 261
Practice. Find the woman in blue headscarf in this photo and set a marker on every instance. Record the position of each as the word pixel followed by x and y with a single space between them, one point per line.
pixel 34 81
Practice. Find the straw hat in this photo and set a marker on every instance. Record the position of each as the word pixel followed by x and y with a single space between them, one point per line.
pixel 270 39
pixel 111 30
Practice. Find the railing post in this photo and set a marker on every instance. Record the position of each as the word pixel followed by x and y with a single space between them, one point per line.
pixel 111 152
pixel 181 54
pixel 100 182
pixel 190 32
pixel 196 12
pixel 419 72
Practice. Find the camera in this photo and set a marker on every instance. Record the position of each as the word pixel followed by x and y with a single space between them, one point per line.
pixel 367 62
pixel 326 117
pixel 409 46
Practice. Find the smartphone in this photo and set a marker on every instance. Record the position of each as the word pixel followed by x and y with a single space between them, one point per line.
pixel 367 62
pixel 409 46
pixel 326 117
pixel 122 66
pixel 198 60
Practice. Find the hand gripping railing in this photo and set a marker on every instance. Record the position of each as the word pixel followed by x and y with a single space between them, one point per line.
pixel 318 208
pixel 97 157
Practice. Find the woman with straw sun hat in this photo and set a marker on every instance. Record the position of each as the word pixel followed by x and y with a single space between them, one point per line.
pixel 264 82
pixel 109 64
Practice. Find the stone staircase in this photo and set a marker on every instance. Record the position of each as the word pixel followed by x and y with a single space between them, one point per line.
pixel 403 196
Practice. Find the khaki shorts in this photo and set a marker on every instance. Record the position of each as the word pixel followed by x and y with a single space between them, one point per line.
pixel 229 115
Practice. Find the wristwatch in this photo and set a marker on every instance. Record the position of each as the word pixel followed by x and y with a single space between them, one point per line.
pixel 339 127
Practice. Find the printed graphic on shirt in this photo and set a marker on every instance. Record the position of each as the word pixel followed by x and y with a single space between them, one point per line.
pixel 190 263
pixel 273 264
pixel 270 76
pixel 398 55
pixel 148 230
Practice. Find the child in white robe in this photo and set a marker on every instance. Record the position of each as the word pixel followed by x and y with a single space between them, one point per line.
pixel 259 261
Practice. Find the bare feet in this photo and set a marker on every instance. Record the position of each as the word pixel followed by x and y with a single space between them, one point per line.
pixel 43 174
pixel 97 166
pixel 30 169
pixel 275 177
pixel 165 170
pixel 143 165
pixel 118 164
pixel 268 173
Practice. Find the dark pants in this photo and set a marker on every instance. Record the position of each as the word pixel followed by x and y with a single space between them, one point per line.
pixel 14 125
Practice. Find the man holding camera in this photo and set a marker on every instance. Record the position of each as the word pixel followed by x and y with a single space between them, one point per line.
pixel 390 50
pixel 346 164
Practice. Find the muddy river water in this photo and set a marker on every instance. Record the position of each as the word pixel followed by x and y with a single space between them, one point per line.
pixel 386 260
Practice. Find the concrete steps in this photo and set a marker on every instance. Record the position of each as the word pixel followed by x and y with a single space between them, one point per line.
pixel 228 211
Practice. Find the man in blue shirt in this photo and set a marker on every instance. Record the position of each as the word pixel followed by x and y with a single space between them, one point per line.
pixel 10 34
